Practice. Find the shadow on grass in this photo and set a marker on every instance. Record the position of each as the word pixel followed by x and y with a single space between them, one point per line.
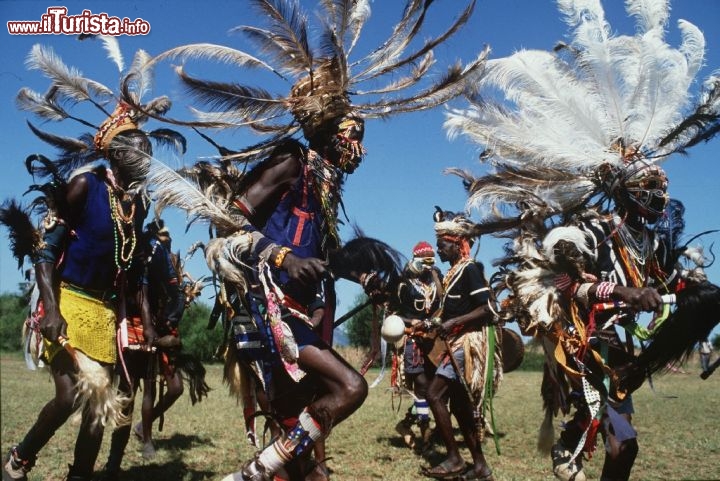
pixel 180 442
pixel 433 452
pixel 175 468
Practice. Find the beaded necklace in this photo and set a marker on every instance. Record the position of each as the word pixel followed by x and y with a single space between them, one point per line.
pixel 428 292
pixel 124 235
pixel 454 272
pixel 326 183
pixel 634 254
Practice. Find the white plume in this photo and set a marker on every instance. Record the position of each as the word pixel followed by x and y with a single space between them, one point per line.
pixel 112 47
pixel 575 109
pixel 172 189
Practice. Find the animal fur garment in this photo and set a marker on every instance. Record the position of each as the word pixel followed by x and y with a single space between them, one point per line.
pixel 364 254
pixel 193 372
pixel 97 394
pixel 697 313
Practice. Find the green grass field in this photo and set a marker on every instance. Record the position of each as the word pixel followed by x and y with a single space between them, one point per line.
pixel 677 424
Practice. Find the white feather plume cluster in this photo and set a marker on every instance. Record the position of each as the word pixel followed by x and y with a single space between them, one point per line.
pixel 569 234
pixel 223 257
pixel 696 271
pixel 536 297
pixel 595 100
pixel 96 392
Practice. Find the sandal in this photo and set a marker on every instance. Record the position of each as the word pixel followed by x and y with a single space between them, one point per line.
pixel 443 471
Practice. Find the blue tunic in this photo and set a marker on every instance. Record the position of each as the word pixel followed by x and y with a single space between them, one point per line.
pixel 296 222
pixel 88 259
pixel 89 256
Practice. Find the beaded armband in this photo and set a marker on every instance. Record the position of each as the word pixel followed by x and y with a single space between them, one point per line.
pixel 280 256
pixel 604 290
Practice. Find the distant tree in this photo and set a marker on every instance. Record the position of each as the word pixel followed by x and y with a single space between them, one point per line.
pixel 359 326
pixel 13 311
pixel 197 339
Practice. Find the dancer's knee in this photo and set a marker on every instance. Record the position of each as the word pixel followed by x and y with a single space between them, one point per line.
pixel 618 465
pixel 356 390
pixel 175 390
pixel 628 451
pixel 434 396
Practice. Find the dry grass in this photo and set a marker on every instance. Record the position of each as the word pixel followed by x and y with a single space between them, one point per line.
pixel 677 424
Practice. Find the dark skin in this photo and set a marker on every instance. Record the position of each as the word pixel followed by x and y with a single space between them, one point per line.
pixel 620 458
pixel 441 388
pixel 150 411
pixel 53 326
pixel 340 389
pixel 639 299
pixel 418 383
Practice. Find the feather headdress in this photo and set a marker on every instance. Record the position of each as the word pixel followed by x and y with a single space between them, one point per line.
pixel 68 88
pixel 575 121
pixel 322 75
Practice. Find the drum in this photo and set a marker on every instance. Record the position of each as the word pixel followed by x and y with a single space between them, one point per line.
pixel 512 348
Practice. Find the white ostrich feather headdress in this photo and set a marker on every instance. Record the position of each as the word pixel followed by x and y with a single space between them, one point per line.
pixel 574 120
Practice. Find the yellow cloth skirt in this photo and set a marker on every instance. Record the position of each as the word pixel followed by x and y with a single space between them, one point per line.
pixel 90 326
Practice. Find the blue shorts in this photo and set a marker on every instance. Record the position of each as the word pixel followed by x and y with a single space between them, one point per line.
pixel 446 369
pixel 413 361
pixel 304 335
pixel 625 406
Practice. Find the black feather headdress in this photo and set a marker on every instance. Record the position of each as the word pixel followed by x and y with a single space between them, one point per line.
pixel 68 88
pixel 326 83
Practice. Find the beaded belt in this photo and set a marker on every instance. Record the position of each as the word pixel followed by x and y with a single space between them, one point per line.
pixel 97 294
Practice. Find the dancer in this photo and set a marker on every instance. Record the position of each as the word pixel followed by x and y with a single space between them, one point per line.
pixel 93 221
pixel 156 283
pixel 577 144
pixel 469 369
pixel 418 298
pixel 278 227
pixel 705 349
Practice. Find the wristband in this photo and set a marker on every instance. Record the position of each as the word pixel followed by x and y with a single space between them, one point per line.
pixel 604 290
pixel 280 256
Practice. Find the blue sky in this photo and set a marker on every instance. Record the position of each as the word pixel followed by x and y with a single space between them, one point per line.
pixel 393 193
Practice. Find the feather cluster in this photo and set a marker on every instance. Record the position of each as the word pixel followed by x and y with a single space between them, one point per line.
pixel 97 395
pixel 322 71
pixel 69 87
pixel 602 99
pixel 25 238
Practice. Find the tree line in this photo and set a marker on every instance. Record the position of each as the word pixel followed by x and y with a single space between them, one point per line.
pixel 204 343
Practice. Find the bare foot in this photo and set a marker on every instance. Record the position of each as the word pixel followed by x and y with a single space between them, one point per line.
pixel 148 450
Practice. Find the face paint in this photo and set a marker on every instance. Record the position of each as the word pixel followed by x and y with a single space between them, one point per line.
pixel 422 264
pixel 347 143
pixel 647 189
